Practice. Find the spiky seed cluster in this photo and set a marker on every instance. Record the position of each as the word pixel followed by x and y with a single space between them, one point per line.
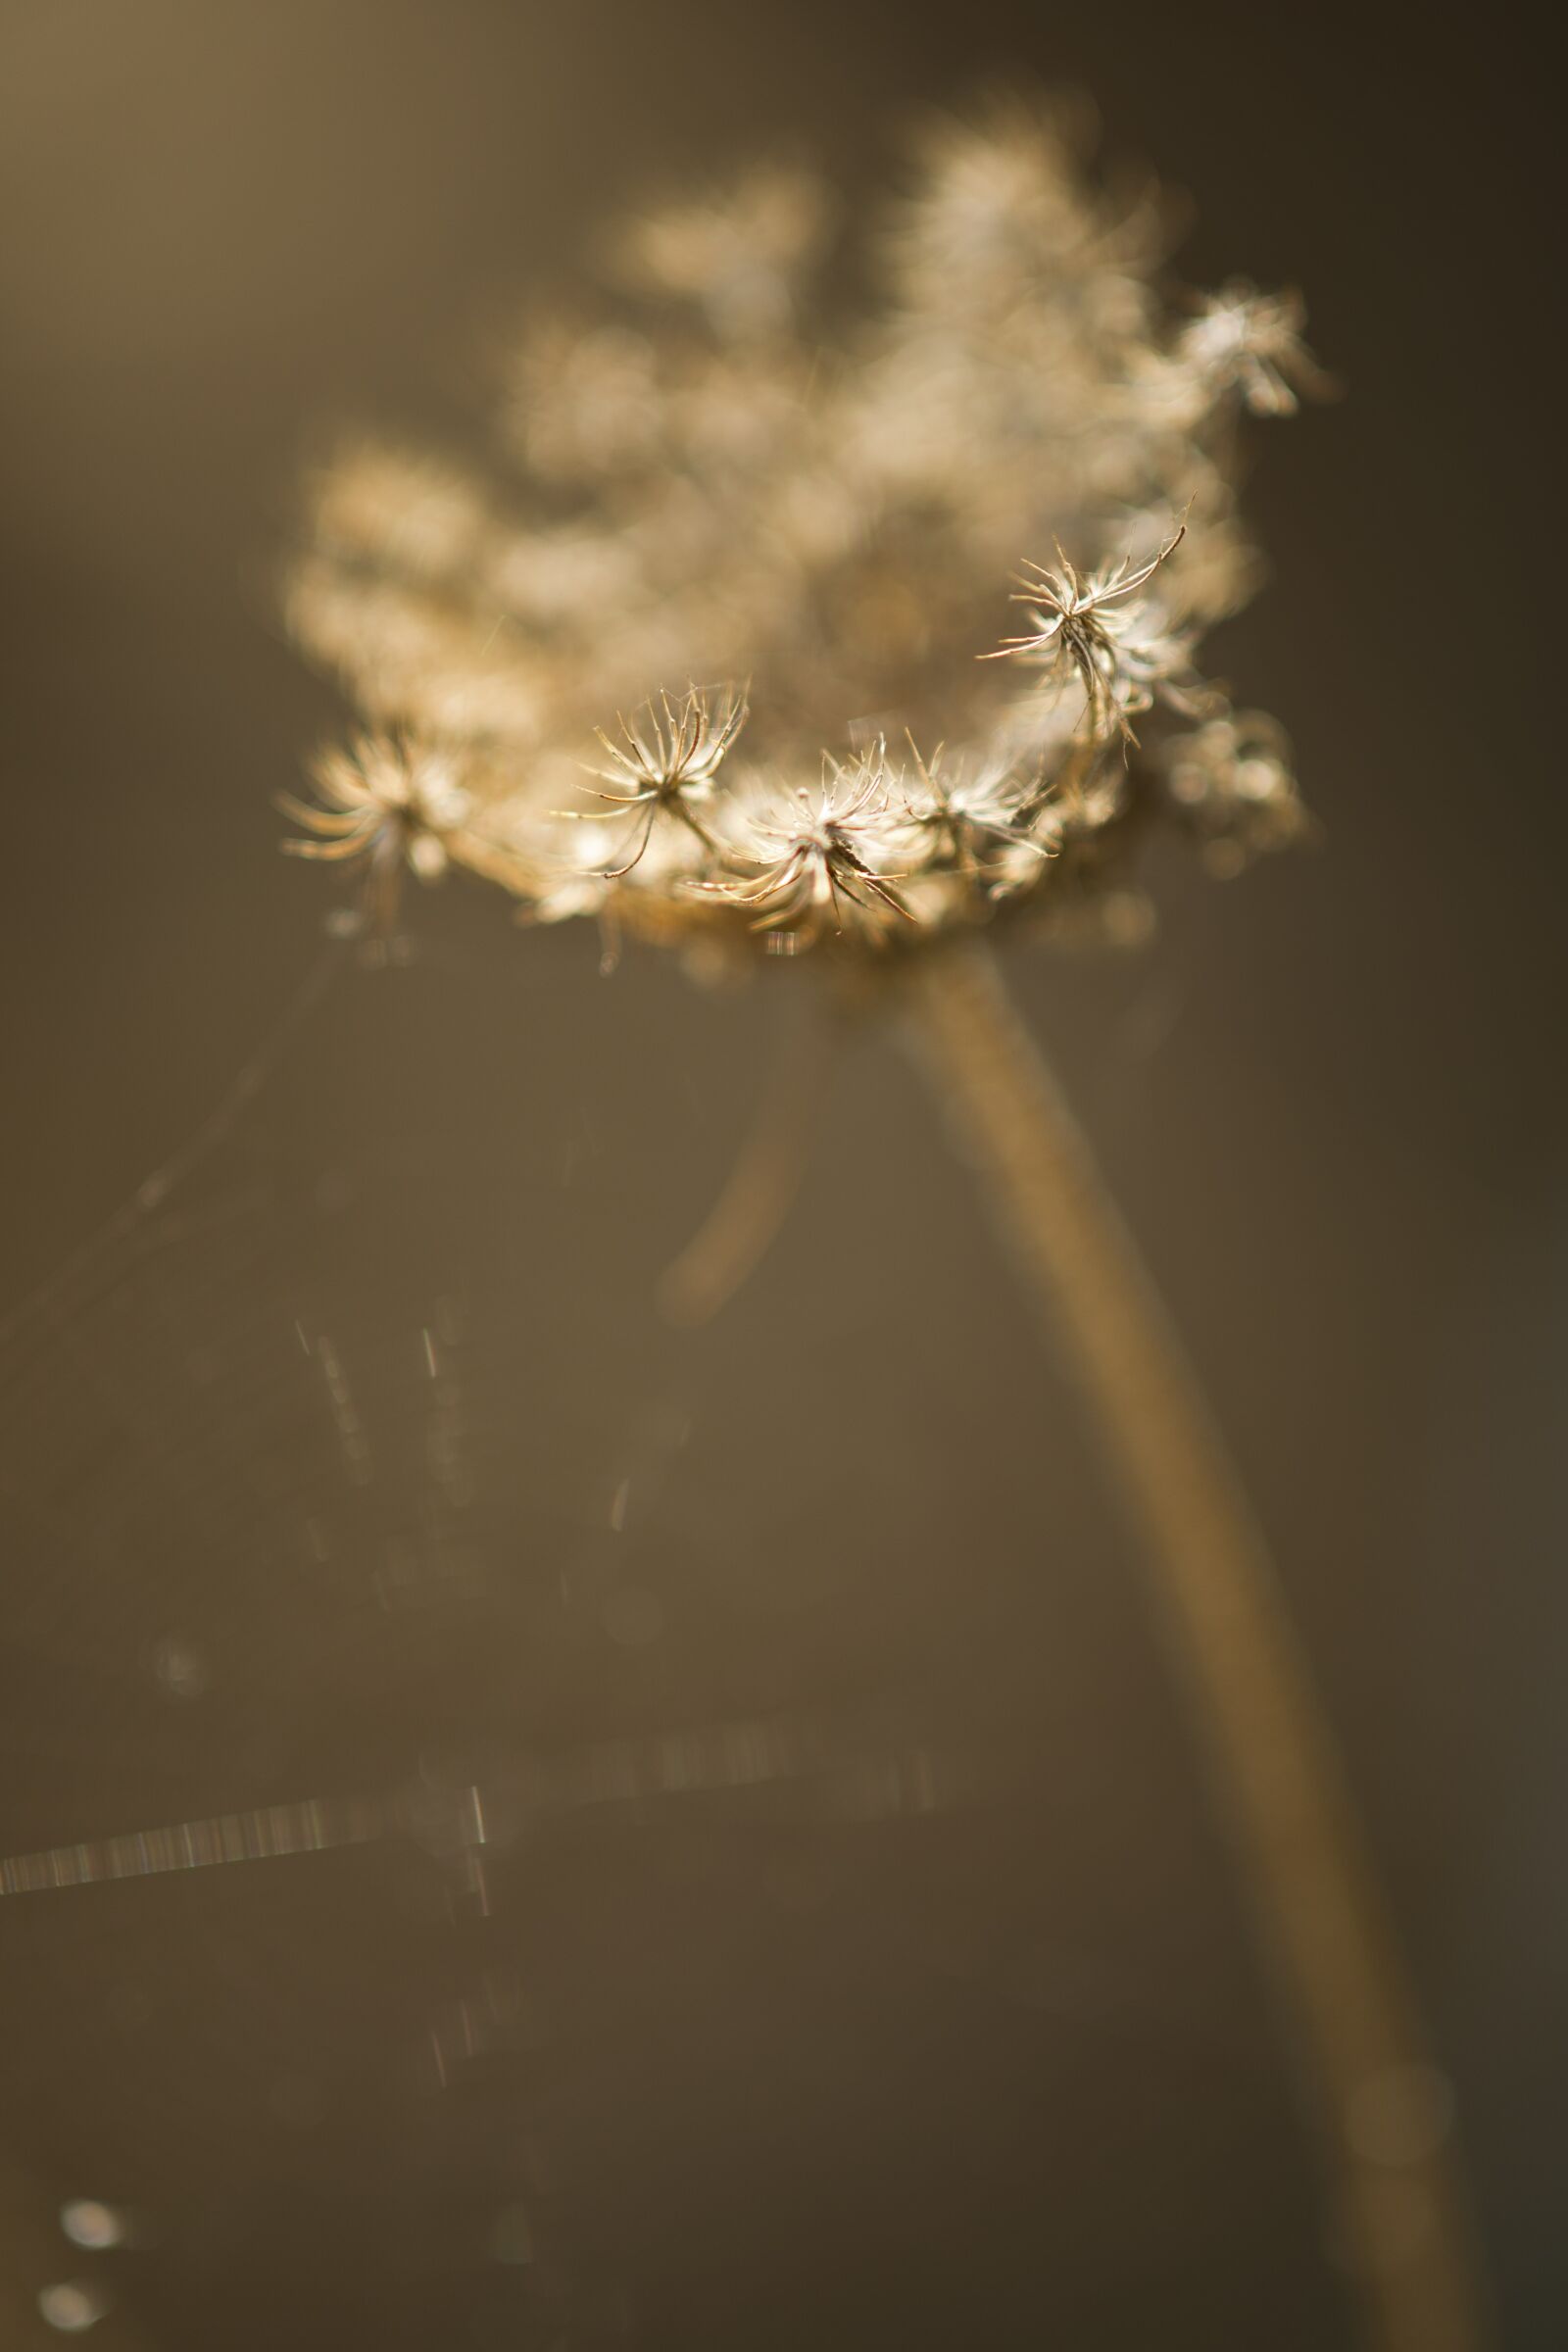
pixel 1100 635
pixel 704 488
pixel 665 763
pixel 1251 343
pixel 813 858
pixel 385 804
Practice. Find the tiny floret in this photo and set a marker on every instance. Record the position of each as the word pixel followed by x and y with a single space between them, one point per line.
pixel 388 804
pixel 738 254
pixel 664 762
pixel 1101 632
pixel 816 859
pixel 989 824
pixel 1231 782
pixel 1250 344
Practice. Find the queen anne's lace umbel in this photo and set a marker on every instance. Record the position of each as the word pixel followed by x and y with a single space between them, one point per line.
pixel 707 666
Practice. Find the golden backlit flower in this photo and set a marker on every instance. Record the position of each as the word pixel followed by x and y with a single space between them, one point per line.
pixel 387 805
pixel 1101 633
pixel 738 254
pixel 664 762
pixel 814 859
pixel 989 824
pixel 403 508
pixel 709 482
pixel 1231 781
pixel 1250 343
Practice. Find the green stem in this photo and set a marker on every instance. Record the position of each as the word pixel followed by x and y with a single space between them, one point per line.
pixel 1382 2106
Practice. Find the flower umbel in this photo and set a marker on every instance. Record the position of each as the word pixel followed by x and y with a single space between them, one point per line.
pixel 709 482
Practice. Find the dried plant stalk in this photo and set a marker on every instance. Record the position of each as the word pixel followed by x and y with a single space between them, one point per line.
pixel 1383 2107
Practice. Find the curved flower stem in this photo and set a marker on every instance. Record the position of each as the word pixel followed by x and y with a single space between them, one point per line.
pixel 762 1186
pixel 1382 2107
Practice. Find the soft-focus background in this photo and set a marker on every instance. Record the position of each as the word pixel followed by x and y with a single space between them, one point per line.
pixel 962 2042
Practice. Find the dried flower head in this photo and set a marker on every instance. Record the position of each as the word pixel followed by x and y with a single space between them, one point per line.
pixel 399 507
pixel 710 484
pixel 818 859
pixel 666 759
pixel 987 826
pixel 1250 343
pixel 1100 633
pixel 386 805
pixel 739 254
pixel 1231 782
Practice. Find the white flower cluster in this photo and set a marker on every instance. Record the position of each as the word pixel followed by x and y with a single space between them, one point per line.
pixel 704 487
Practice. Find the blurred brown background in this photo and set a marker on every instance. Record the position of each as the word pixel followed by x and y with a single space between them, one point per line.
pixel 754 2075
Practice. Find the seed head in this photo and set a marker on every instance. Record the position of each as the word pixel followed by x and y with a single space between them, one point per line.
pixel 816 860
pixel 1103 634
pixel 713 480
pixel 664 762
pixel 386 805
pixel 1249 345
